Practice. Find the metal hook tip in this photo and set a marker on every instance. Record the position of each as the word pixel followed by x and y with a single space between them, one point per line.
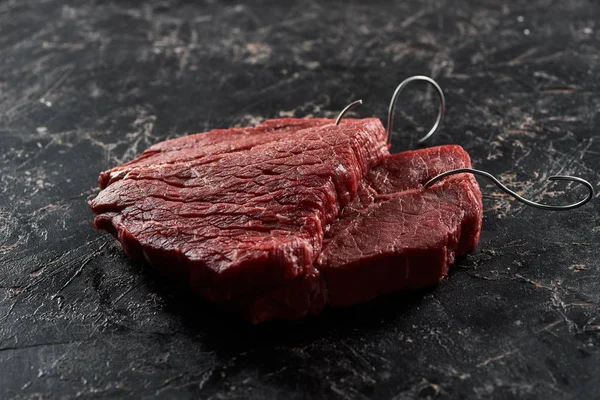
pixel 346 109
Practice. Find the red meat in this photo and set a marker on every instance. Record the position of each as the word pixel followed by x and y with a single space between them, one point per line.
pixel 242 215
pixel 396 235
pixel 279 220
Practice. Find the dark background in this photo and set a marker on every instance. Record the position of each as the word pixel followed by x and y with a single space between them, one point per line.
pixel 86 85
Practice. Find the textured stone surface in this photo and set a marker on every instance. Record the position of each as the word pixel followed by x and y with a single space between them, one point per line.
pixel 87 85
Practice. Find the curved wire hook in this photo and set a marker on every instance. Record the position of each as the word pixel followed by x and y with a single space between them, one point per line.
pixel 401 87
pixel 346 109
pixel 518 197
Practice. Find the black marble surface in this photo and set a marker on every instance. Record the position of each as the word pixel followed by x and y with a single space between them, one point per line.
pixel 86 85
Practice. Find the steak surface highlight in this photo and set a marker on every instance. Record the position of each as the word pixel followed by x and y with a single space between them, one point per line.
pixel 212 143
pixel 278 220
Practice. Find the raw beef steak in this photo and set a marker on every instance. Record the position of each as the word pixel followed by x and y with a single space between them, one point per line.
pixel 241 212
pixel 278 220
pixel 393 235
pixel 396 235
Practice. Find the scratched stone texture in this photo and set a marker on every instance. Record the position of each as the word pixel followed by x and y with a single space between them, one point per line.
pixel 86 85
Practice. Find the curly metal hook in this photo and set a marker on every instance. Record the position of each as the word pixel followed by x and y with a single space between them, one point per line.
pixel 346 109
pixel 401 87
pixel 518 197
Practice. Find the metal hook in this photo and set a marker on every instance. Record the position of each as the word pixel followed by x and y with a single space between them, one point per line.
pixel 516 196
pixel 392 107
pixel 346 109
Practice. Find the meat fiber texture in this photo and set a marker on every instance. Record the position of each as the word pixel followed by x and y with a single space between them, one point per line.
pixel 397 235
pixel 239 214
pixel 278 220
